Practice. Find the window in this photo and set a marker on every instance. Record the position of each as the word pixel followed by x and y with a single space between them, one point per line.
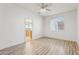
pixel 57 24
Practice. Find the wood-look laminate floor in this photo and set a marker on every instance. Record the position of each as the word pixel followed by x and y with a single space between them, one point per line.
pixel 43 46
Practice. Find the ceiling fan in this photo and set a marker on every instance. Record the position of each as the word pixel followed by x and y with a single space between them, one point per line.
pixel 44 7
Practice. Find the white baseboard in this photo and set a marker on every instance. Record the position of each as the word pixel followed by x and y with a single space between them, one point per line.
pixel 60 38
pixel 9 44
pixel 36 37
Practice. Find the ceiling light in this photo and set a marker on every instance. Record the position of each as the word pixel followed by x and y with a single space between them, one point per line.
pixel 42 10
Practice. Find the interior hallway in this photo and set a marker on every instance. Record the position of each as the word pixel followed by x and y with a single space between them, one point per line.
pixel 43 46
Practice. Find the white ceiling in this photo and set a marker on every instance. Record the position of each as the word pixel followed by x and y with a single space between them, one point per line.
pixel 55 7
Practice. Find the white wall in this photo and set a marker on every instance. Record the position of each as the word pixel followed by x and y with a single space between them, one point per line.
pixel 37 27
pixel 69 32
pixel 12 24
pixel 78 24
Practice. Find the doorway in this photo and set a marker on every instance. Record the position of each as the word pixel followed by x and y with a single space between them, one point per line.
pixel 28 29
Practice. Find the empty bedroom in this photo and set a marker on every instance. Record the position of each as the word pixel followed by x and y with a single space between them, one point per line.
pixel 39 29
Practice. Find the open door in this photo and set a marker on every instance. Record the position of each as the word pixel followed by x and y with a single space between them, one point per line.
pixel 28 29
pixel 29 34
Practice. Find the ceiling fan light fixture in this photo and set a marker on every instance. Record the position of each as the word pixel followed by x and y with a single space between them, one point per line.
pixel 42 10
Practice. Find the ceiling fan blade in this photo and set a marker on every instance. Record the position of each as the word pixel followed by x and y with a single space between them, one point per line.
pixel 48 9
pixel 44 5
